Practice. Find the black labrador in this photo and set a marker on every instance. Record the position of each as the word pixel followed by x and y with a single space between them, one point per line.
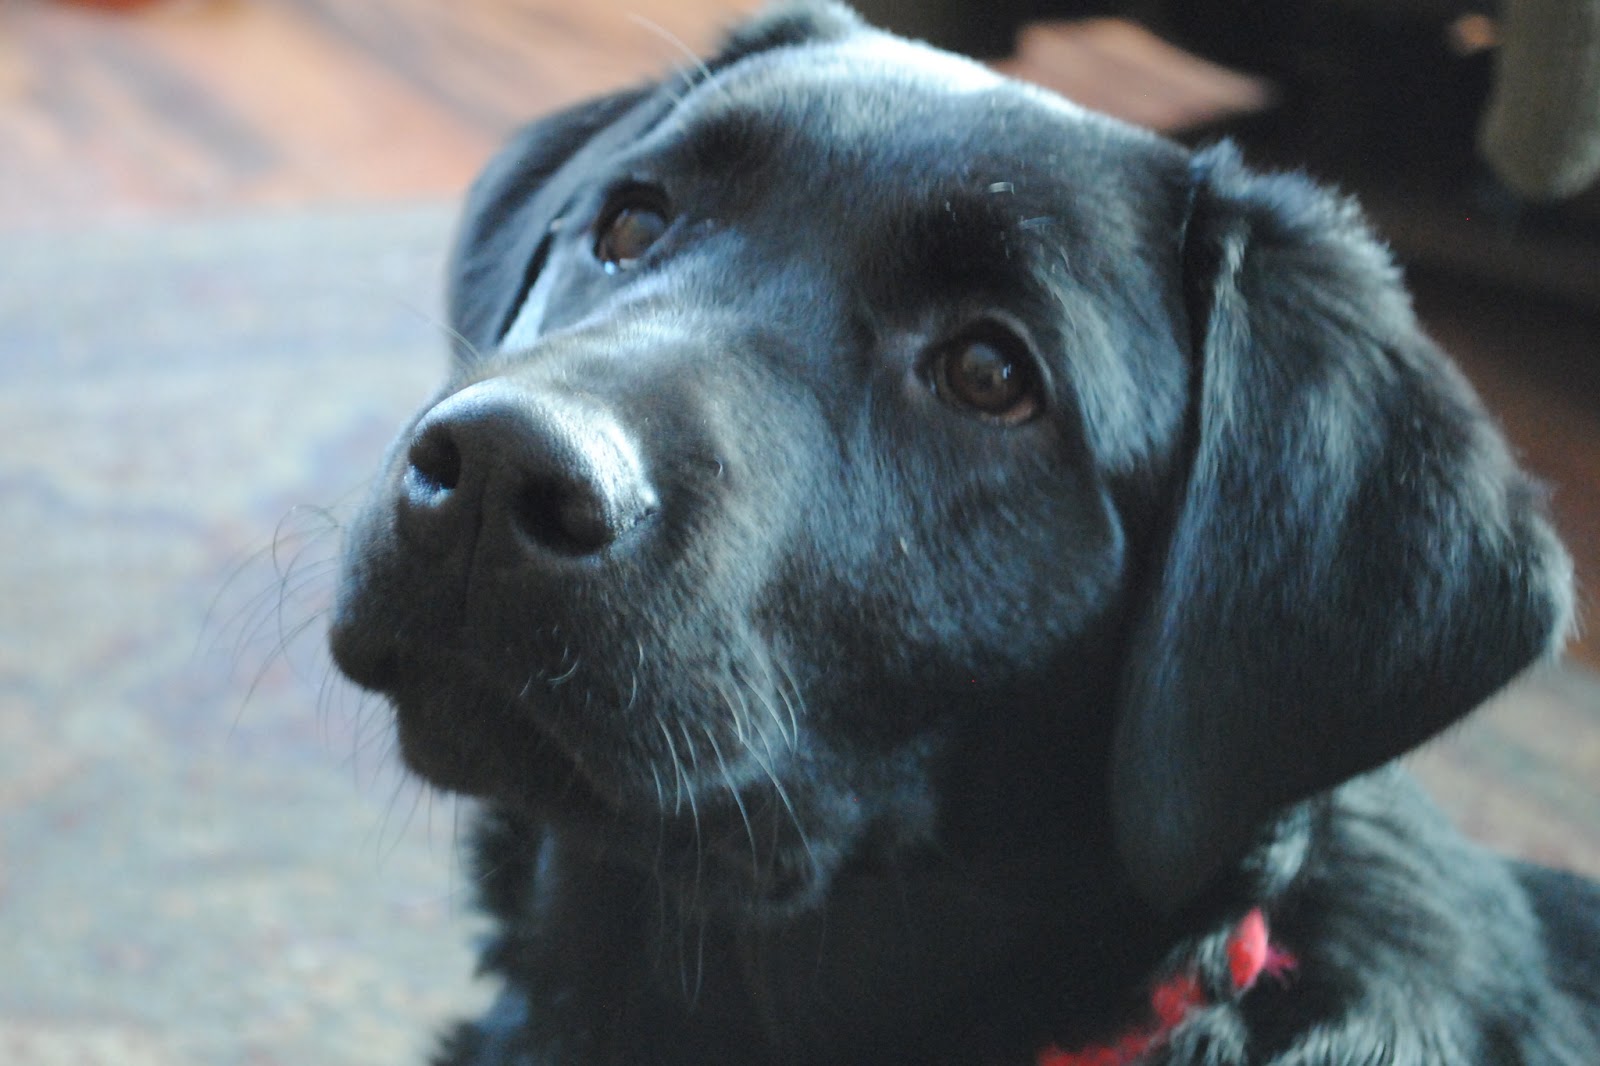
pixel 918 572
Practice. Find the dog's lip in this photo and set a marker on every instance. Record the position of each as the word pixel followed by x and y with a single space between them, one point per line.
pixel 509 759
pixel 709 838
pixel 455 732
pixel 371 664
pixel 515 757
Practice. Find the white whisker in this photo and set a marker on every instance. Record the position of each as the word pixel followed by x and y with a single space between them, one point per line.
pixel 738 801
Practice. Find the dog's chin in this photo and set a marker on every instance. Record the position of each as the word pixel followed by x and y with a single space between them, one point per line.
pixel 463 734
pixel 511 761
pixel 713 855
pixel 443 754
pixel 759 856
pixel 446 766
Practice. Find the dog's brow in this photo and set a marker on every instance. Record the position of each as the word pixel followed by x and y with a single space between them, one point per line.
pixel 729 139
pixel 962 235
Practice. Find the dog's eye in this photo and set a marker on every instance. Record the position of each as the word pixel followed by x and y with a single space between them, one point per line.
pixel 628 231
pixel 989 377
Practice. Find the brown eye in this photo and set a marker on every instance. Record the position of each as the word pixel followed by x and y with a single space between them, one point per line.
pixel 628 233
pixel 989 378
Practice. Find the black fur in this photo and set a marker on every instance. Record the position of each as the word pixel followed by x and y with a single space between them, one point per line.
pixel 823 715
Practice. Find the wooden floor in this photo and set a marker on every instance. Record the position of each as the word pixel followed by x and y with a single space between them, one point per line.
pixel 218 105
pixel 183 108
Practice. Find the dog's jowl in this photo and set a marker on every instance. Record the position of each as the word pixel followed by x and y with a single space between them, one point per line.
pixel 917 572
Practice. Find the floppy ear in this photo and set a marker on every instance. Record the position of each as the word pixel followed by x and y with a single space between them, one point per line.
pixel 516 203
pixel 1354 561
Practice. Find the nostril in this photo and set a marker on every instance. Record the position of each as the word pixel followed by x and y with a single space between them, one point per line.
pixel 585 521
pixel 435 461
pixel 564 517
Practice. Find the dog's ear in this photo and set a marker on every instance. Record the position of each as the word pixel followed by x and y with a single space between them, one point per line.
pixel 517 201
pixel 515 204
pixel 1354 561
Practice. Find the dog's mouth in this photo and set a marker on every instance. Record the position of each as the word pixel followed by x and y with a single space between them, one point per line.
pixel 458 733
pixel 490 760
pixel 718 839
pixel 469 736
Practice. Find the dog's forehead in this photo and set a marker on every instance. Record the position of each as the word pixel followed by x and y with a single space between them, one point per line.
pixel 871 91
pixel 861 60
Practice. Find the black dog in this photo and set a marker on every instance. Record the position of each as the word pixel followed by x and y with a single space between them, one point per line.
pixel 920 573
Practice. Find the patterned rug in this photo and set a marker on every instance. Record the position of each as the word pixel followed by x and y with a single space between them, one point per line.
pixel 207 856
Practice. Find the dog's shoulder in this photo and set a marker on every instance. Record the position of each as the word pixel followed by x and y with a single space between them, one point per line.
pixel 1568 909
pixel 1414 942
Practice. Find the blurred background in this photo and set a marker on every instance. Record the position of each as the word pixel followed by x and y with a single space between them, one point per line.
pixel 222 225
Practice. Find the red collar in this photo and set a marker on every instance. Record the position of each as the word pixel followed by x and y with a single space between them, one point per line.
pixel 1250 954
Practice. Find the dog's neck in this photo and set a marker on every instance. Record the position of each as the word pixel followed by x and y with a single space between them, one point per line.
pixel 1030 955
pixel 1008 1013
pixel 894 959
pixel 1250 955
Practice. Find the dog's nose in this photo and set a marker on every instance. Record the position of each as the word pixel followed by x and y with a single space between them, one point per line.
pixel 548 471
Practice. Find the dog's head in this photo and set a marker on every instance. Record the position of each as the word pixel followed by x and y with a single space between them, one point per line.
pixel 853 457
